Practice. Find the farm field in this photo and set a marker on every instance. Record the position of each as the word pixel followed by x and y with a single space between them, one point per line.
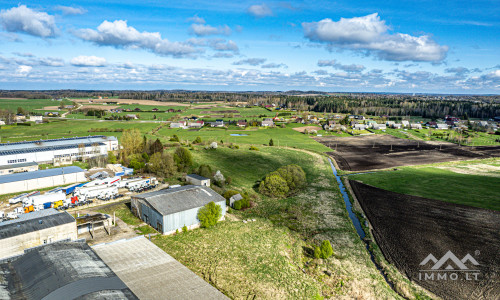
pixel 409 228
pixel 29 105
pixel 385 151
pixel 475 183
pixel 69 128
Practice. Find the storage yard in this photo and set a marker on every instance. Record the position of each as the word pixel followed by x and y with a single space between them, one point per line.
pixel 362 153
pixel 409 228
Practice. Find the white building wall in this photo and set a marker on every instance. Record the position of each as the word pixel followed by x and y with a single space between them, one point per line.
pixel 40 183
pixel 15 245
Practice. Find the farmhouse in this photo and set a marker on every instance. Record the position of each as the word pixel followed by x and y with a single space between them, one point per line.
pixel 170 209
pixel 196 179
pixel 397 126
pixel 405 123
pixel 36 119
pixel 66 270
pixel 27 181
pixel 268 122
pixel 415 126
pixel 34 229
pixel 379 126
pixel 19 168
pixel 359 126
pixel 47 151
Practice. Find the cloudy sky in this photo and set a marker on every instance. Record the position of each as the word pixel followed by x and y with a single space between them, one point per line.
pixel 361 46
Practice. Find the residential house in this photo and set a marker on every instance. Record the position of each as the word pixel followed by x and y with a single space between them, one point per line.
pixel 134 117
pixel 397 126
pixel 379 126
pixel 268 122
pixel 241 123
pixel 217 123
pixel 405 123
pixel 37 119
pixel 359 126
pixel 416 126
pixel 441 126
pixel 52 114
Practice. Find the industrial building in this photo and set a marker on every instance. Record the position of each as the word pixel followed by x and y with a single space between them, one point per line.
pixel 196 179
pixel 169 210
pixel 66 270
pixel 27 181
pixel 19 168
pixel 57 150
pixel 150 273
pixel 34 229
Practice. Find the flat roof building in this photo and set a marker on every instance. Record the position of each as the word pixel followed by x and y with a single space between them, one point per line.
pixel 196 179
pixel 169 210
pixel 34 229
pixel 66 270
pixel 27 181
pixel 19 168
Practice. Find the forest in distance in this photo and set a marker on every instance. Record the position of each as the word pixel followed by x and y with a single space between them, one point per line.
pixel 423 105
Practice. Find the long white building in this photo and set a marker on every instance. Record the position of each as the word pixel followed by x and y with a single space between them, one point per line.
pixel 49 151
pixel 27 181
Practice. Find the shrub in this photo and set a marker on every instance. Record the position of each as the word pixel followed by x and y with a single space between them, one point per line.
pixel 237 205
pixel 294 176
pixel 254 148
pixel 274 186
pixel 197 140
pixel 326 249
pixel 205 171
pixel 184 228
pixel 174 138
pixel 183 158
pixel 317 252
pixel 271 142
pixel 209 214
pixel 228 194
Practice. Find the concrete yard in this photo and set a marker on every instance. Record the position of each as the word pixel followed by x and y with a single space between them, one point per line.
pixel 153 274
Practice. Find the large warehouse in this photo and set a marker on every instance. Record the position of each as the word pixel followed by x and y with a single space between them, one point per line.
pixel 19 168
pixel 27 181
pixel 170 209
pixel 50 151
pixel 66 270
pixel 34 229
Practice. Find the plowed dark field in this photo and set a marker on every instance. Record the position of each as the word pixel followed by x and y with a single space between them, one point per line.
pixel 361 153
pixel 409 228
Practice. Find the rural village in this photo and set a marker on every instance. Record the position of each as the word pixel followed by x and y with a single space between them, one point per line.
pixel 254 196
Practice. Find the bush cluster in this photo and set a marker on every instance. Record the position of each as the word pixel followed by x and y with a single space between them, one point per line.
pixel 209 215
pixel 324 251
pixel 283 182
pixel 254 148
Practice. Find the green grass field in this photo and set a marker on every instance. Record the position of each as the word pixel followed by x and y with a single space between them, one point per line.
pixel 443 182
pixel 30 105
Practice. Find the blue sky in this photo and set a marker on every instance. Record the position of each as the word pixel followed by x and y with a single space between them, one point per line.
pixel 358 46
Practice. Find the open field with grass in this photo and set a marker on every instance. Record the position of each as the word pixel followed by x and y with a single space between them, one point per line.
pixel 272 257
pixel 30 105
pixel 456 182
pixel 254 135
pixel 68 128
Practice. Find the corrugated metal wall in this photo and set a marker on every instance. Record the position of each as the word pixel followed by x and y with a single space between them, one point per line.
pixel 153 216
pixel 187 218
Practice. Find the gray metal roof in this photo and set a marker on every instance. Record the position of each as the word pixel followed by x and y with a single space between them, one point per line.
pixel 20 165
pixel 196 176
pixel 65 270
pixel 46 148
pixel 57 142
pixel 39 174
pixel 34 221
pixel 169 201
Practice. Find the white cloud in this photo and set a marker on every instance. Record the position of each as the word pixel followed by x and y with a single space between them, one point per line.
pixel 119 34
pixel 51 62
pixel 260 11
pixel 250 61
pixel 25 20
pixel 203 30
pixel 88 61
pixel 339 66
pixel 370 34
pixel 23 70
pixel 273 66
pixel 196 19
pixel 69 10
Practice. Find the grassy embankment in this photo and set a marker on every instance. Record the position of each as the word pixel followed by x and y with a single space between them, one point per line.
pixel 272 257
pixel 474 183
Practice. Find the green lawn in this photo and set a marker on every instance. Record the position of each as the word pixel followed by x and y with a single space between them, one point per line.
pixel 438 183
pixel 122 211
